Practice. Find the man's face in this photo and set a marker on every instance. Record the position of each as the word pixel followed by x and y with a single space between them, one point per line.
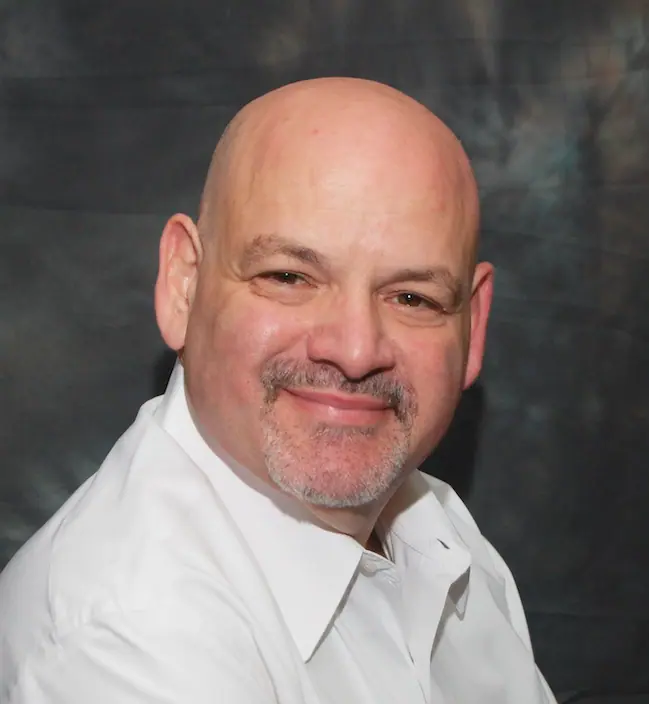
pixel 327 341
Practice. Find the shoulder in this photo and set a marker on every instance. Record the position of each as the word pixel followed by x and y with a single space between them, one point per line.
pixel 185 647
pixel 145 528
pixel 466 527
pixel 484 555
pixel 456 511
pixel 454 508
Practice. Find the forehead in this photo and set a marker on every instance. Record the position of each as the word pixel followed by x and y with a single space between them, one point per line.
pixel 351 152
pixel 382 192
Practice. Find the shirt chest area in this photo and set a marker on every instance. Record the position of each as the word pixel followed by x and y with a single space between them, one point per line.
pixel 416 638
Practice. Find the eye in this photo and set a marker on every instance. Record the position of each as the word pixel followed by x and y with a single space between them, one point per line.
pixel 288 278
pixel 414 300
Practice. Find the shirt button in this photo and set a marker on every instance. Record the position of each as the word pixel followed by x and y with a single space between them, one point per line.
pixel 368 566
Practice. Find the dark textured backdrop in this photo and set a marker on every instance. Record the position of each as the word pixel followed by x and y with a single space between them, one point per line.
pixel 108 115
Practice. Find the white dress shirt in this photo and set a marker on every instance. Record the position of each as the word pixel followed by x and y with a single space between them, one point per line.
pixel 174 576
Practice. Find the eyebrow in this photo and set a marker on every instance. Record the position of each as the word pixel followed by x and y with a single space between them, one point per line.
pixel 268 245
pixel 436 275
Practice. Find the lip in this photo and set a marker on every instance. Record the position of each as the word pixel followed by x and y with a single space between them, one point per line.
pixel 341 403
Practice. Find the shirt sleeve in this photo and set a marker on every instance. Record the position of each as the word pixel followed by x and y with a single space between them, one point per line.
pixel 517 612
pixel 161 654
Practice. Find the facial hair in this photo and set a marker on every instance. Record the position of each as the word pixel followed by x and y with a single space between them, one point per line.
pixel 302 467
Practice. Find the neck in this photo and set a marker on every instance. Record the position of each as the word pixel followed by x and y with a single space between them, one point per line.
pixel 359 523
pixel 375 545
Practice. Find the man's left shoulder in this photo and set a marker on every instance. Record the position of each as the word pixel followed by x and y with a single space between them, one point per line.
pixel 454 508
pixel 467 529
pixel 492 569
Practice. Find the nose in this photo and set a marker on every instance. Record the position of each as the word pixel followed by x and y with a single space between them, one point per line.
pixel 350 335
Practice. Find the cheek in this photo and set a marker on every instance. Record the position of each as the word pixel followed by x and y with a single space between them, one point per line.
pixel 244 336
pixel 227 347
pixel 436 374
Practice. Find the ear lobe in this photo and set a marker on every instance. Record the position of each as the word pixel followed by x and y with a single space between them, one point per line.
pixel 480 306
pixel 179 257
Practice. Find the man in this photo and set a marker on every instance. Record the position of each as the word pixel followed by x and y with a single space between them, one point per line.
pixel 261 534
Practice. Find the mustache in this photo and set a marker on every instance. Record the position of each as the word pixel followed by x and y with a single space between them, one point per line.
pixel 282 373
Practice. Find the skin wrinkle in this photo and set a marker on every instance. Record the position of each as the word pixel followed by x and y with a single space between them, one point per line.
pixel 369 203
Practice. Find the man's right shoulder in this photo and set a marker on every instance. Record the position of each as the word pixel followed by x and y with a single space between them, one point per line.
pixel 148 525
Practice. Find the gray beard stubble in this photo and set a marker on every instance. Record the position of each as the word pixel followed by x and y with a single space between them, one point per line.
pixel 280 374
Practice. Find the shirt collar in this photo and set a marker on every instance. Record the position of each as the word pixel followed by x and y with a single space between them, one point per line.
pixel 415 521
pixel 309 567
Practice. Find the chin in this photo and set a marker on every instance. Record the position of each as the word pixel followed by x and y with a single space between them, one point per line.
pixel 334 464
pixel 334 479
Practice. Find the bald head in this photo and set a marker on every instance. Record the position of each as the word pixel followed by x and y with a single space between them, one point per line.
pixel 364 135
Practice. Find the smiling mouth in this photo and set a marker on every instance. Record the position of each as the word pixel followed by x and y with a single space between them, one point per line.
pixel 344 402
pixel 351 409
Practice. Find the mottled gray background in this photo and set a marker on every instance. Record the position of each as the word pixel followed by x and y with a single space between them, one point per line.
pixel 108 115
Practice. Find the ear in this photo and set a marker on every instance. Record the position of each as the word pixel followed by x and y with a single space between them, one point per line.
pixel 481 296
pixel 180 255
